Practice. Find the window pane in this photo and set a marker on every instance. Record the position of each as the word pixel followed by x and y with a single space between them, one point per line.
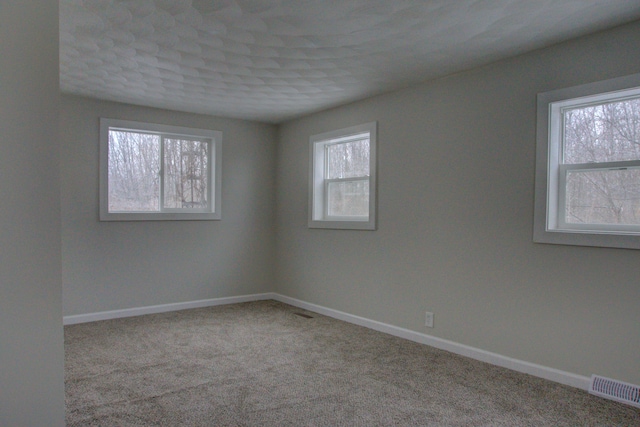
pixel 185 171
pixel 134 165
pixel 603 197
pixel 348 160
pixel 348 198
pixel 602 133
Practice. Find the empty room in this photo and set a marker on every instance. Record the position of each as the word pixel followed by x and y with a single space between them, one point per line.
pixel 322 213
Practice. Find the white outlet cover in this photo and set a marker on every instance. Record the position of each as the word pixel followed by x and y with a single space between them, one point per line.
pixel 428 321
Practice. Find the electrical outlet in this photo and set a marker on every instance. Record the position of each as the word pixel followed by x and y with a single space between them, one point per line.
pixel 428 319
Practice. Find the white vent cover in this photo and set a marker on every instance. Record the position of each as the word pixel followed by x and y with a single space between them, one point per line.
pixel 615 390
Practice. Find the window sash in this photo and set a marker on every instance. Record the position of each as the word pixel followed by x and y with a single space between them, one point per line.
pixel 327 181
pixel 330 217
pixel 563 172
pixel 340 141
pixel 208 194
pixel 162 175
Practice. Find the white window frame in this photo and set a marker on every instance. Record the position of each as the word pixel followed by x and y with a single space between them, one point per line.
pixel 549 225
pixel 214 138
pixel 318 183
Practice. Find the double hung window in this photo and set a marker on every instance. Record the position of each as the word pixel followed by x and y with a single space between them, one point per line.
pixel 589 165
pixel 158 172
pixel 343 178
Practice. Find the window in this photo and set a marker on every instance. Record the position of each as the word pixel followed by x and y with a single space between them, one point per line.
pixel 588 165
pixel 342 181
pixel 158 172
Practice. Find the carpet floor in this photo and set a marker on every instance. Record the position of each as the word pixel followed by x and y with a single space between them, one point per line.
pixel 262 364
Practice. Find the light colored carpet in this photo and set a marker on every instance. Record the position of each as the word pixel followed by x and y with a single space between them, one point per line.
pixel 260 364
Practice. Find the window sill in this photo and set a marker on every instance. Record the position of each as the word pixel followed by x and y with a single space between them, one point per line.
pixel 130 216
pixel 587 238
pixel 343 225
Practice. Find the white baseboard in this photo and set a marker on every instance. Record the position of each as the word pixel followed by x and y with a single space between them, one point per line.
pixel 556 375
pixel 163 308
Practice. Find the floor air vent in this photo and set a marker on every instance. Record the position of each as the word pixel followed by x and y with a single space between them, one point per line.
pixel 615 390
pixel 306 316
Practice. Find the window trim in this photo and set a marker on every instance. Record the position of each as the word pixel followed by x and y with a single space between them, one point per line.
pixel 548 194
pixel 318 216
pixel 212 212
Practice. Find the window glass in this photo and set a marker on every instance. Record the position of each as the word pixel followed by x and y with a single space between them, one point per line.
pixel 348 159
pixel 134 166
pixel 348 198
pixel 602 133
pixel 185 170
pixel 603 196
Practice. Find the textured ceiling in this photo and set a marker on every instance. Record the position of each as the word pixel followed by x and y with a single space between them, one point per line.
pixel 272 60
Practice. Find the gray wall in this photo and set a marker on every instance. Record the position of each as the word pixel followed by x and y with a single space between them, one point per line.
pixel 117 265
pixel 456 176
pixel 31 352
